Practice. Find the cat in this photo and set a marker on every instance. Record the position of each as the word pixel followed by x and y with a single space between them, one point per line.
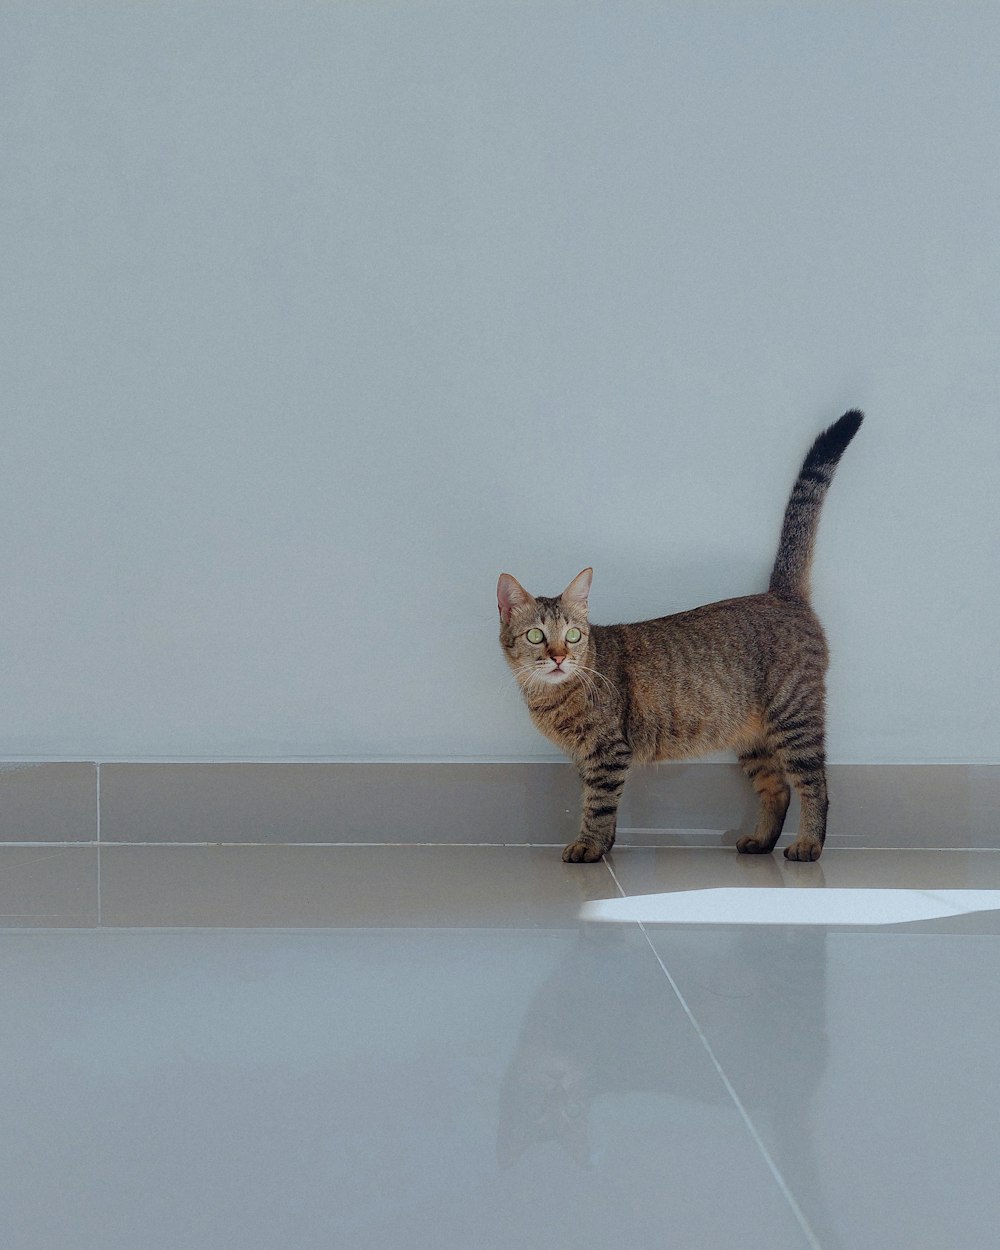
pixel 744 674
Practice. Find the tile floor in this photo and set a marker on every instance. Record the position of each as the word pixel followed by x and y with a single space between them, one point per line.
pixel 295 1047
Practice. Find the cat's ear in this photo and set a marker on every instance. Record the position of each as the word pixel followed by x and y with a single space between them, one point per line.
pixel 578 591
pixel 511 595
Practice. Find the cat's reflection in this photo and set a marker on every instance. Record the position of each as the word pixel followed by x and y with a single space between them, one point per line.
pixel 569 1048
pixel 602 1026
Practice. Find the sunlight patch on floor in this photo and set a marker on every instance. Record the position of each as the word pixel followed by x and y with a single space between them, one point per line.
pixel 764 905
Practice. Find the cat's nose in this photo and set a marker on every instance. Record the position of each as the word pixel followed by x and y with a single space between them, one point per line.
pixel 558 659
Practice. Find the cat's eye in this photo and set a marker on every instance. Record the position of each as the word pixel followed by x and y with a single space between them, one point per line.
pixel 535 635
pixel 573 635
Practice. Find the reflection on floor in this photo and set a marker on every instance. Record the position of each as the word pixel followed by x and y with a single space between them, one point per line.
pixel 298 1046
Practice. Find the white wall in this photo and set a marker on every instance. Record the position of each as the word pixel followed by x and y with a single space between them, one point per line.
pixel 318 316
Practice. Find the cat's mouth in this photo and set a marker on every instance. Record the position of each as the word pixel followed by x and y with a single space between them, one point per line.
pixel 556 673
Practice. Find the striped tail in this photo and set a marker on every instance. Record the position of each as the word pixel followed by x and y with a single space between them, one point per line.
pixel 790 575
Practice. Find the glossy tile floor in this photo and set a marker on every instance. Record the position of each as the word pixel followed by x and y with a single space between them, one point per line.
pixel 243 1047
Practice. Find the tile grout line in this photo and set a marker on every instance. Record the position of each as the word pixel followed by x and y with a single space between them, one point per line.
pixel 782 1184
pixel 630 846
pixel 75 843
pixel 99 916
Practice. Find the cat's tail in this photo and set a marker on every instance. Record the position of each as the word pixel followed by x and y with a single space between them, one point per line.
pixel 790 575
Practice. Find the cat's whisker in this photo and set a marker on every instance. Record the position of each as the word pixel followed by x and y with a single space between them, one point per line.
pixel 603 676
pixel 528 678
pixel 578 670
pixel 517 675
pixel 601 693
pixel 588 684
pixel 583 668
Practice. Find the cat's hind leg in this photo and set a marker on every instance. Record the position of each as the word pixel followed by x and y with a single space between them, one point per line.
pixel 803 760
pixel 796 734
pixel 809 779
pixel 771 787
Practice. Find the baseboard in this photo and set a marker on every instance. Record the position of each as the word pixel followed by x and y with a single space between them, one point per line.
pixel 871 805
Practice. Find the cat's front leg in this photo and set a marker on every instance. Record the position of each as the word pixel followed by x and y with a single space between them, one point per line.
pixel 603 772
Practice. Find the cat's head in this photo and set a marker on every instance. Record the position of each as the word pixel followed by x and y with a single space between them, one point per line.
pixel 545 640
pixel 545 1097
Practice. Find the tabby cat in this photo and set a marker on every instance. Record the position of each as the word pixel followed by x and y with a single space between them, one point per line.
pixel 744 674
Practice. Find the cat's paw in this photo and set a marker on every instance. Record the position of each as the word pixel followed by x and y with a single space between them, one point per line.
pixel 749 845
pixel 580 852
pixel 806 849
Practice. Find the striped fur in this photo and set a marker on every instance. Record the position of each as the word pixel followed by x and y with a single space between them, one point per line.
pixel 790 576
pixel 744 674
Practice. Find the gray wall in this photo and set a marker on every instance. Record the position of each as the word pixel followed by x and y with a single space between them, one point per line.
pixel 317 316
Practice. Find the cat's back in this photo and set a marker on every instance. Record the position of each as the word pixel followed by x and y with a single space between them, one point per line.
pixel 755 622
